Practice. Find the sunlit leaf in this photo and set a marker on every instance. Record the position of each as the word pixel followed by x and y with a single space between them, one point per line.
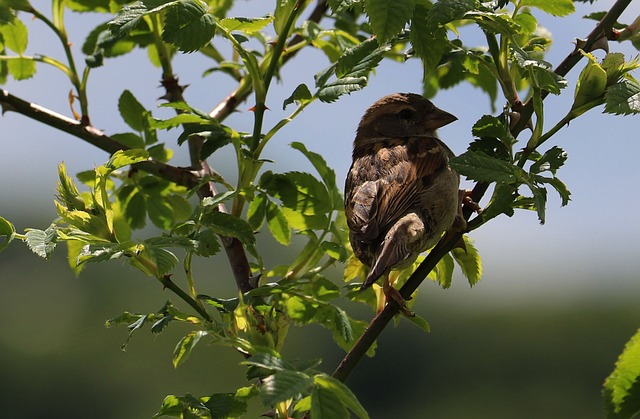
pixel 469 261
pixel 553 7
pixel 7 233
pixel 621 392
pixel 42 242
pixel 278 224
pixel 183 349
pixel 245 24
pixel 15 36
pixel 325 405
pixel 283 385
pixel 122 158
pixel 623 98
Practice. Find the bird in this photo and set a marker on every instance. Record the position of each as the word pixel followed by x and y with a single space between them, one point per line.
pixel 401 195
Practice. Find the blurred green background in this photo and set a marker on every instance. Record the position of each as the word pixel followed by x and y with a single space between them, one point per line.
pixel 534 339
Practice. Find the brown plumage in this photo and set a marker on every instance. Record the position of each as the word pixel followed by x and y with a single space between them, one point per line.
pixel 400 193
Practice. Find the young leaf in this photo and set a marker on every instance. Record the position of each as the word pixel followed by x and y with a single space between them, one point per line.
pixel 186 406
pixel 226 405
pixel 327 174
pixel 132 111
pixel 21 68
pixel 553 7
pixel 621 392
pixel 283 385
pixel 300 95
pixel 122 158
pixel 229 226
pixel 15 36
pixel 444 271
pixel 278 224
pixel 245 24
pixel 420 322
pixel 257 211
pixel 590 87
pixel 325 404
pixel 469 261
pixel 7 233
pixel 183 349
pixel 42 243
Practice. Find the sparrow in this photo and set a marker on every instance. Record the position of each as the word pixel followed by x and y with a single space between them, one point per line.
pixel 400 193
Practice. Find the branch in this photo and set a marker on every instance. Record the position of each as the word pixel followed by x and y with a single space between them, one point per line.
pixel 380 321
pixel 179 175
pixel 231 102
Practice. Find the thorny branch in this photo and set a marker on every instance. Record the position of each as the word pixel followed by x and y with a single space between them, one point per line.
pixel 382 319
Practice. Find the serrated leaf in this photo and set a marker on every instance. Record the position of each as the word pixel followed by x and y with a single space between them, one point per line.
pixel 207 243
pixel 187 407
pixel 300 95
pixel 621 392
pixel 489 126
pixel 257 211
pixel 623 98
pixel 327 174
pixel 345 86
pixel 21 68
pixel 469 261
pixel 283 385
pixel 132 111
pixel 189 26
pixel 478 166
pixel 326 405
pixel 246 24
pixel 128 19
pixel 226 405
pixel 343 395
pixel 278 224
pixel 42 242
pixel 551 161
pixel 229 226
pixel 428 43
pixel 15 36
pixel 388 18
pixel 122 158
pixel 553 7
pixel 184 348
pixel 7 233
pixel 444 271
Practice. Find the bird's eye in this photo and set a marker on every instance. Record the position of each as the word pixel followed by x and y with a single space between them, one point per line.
pixel 406 114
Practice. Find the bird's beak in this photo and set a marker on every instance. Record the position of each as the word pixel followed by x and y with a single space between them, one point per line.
pixel 438 118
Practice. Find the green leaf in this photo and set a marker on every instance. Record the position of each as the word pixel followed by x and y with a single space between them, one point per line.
pixel 539 73
pixel 300 95
pixel 257 211
pixel 188 25
pixel 428 43
pixel 132 111
pixel 388 18
pixel 621 392
pixel 623 98
pixel 553 7
pixel 420 322
pixel 501 202
pixel 187 407
pixel 42 243
pixel 129 17
pixel 15 36
pixel 21 68
pixel 590 87
pixel 327 174
pixel 122 158
pixel 245 24
pixel 325 404
pixel 551 161
pixel 7 233
pixel 229 226
pixel 489 126
pixel 278 224
pixel 344 86
pixel 340 392
pixel 558 185
pixel 469 261
pixel 207 244
pixel 183 349
pixel 129 140
pixel 283 385
pixel 444 271
pixel 478 166
pixel 226 405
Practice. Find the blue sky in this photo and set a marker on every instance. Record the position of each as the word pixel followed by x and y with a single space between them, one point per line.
pixel 584 249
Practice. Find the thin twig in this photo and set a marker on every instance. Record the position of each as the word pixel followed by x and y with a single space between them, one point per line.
pixel 380 321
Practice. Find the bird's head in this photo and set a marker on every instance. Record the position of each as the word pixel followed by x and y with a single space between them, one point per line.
pixel 400 115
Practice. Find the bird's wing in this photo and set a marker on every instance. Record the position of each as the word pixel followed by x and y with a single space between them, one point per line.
pixel 391 185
